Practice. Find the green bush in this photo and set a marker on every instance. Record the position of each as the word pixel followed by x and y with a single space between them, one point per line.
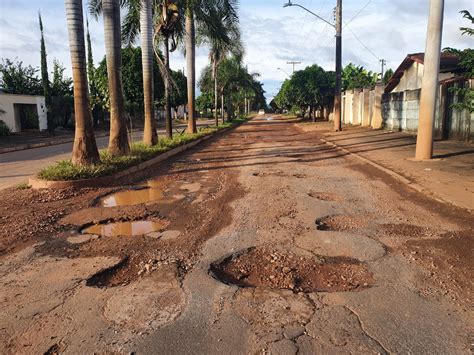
pixel 65 170
pixel 4 129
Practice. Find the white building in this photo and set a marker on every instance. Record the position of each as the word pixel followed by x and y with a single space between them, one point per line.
pixel 10 104
pixel 409 74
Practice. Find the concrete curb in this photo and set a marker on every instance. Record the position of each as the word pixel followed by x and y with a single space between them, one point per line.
pixel 36 183
pixel 45 144
pixel 395 175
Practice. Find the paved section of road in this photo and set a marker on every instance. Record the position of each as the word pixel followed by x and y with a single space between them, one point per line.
pixel 17 167
pixel 263 186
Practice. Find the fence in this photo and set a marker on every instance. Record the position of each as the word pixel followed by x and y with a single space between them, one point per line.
pixel 398 111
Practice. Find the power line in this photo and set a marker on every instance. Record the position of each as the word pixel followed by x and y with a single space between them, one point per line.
pixel 360 41
pixel 359 12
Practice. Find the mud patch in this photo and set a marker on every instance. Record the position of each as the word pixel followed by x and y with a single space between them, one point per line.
pixel 265 267
pixel 324 196
pixel 340 223
pixel 132 228
pixel 407 230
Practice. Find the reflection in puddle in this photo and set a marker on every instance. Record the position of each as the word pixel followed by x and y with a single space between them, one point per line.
pixel 153 191
pixel 124 228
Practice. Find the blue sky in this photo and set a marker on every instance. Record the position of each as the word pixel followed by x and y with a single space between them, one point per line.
pixel 272 35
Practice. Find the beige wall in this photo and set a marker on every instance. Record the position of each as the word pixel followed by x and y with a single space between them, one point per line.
pixel 7 104
pixel 413 76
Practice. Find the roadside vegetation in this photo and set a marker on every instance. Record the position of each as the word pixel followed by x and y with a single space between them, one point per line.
pixel 134 82
pixel 109 164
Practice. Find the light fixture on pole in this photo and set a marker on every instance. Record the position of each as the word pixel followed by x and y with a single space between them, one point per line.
pixel 338 27
pixel 284 71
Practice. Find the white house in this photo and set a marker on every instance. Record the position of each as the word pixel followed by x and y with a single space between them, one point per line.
pixel 10 105
pixel 409 74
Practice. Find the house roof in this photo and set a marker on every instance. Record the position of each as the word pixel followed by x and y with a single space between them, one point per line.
pixel 448 63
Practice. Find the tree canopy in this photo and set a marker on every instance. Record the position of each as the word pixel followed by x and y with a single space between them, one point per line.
pixel 312 88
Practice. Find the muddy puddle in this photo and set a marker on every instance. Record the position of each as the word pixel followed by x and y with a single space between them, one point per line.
pixel 269 268
pixel 153 191
pixel 133 228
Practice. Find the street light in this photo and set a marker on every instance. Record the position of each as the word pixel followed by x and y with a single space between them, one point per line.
pixel 338 28
pixel 284 71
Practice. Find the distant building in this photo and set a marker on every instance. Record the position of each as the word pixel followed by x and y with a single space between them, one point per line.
pixel 23 112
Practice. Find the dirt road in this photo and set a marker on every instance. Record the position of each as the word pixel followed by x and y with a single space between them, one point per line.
pixel 264 239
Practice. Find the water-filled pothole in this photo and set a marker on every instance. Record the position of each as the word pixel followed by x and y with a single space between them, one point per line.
pixel 340 223
pixel 131 228
pixel 269 268
pixel 132 197
pixel 151 192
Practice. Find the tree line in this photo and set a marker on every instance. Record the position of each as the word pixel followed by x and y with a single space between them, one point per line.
pixel 136 79
pixel 312 89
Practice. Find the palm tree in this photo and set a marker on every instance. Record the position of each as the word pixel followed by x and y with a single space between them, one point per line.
pixel 118 141
pixel 222 43
pixel 168 29
pixel 150 136
pixel 84 151
pixel 191 66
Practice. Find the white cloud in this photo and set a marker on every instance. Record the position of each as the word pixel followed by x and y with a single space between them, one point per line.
pixel 272 34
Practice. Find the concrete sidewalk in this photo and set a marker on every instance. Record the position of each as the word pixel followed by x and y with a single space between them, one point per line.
pixel 448 177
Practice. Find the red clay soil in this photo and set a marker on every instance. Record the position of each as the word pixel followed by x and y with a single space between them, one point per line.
pixel 269 268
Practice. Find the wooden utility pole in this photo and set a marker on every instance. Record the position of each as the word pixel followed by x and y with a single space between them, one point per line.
pixel 338 96
pixel 429 86
pixel 293 63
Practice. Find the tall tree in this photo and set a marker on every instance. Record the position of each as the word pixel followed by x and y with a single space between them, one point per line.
pixel 223 39
pixel 150 136
pixel 191 65
pixel 85 148
pixel 169 30
pixel 118 141
pixel 90 56
pixel 45 78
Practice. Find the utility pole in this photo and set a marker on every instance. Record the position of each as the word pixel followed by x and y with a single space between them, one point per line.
pixel 338 28
pixel 337 94
pixel 383 62
pixel 293 63
pixel 429 86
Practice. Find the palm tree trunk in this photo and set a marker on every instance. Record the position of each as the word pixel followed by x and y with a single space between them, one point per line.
pixel 168 123
pixel 191 68
pixel 216 112
pixel 118 140
pixel 150 136
pixel 222 107
pixel 84 151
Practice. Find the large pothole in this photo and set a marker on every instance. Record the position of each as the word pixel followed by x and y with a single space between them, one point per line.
pixel 266 267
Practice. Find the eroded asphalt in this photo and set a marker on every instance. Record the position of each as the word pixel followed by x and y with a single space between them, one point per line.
pixel 266 184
